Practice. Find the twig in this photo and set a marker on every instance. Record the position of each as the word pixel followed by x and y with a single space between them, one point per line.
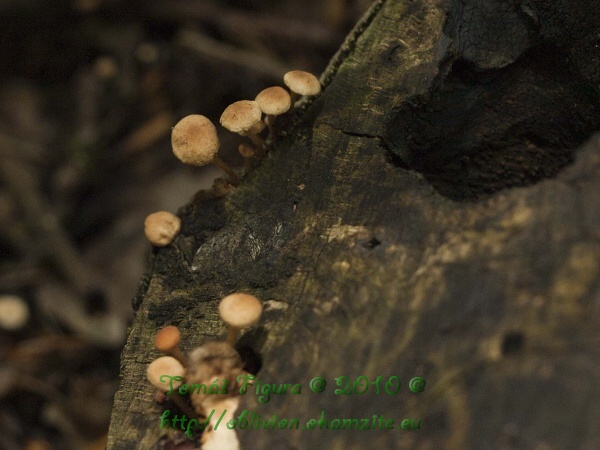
pixel 14 277
pixel 22 150
pixel 214 50
pixel 149 132
pixel 234 21
pixel 49 234
pixel 63 304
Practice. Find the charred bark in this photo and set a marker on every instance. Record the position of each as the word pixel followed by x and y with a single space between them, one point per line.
pixel 434 213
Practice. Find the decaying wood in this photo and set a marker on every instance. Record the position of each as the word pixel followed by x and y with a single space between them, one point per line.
pixel 434 213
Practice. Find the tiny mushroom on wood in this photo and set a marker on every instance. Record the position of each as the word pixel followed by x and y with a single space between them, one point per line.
pixel 161 373
pixel 248 152
pixel 244 118
pixel 167 342
pixel 273 101
pixel 195 141
pixel 165 365
pixel 301 83
pixel 239 311
pixel 161 228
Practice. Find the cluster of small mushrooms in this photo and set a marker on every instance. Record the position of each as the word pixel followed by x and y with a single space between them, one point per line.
pixel 194 139
pixel 210 364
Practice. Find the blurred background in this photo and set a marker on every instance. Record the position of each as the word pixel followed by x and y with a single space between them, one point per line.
pixel 89 90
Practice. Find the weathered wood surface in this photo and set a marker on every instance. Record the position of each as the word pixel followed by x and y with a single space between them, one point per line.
pixel 435 213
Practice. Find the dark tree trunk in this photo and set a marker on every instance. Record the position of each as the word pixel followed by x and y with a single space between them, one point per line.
pixel 434 213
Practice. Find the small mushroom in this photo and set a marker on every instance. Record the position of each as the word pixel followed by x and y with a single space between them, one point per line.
pixel 248 152
pixel 244 118
pixel 273 101
pixel 194 140
pixel 167 342
pixel 301 83
pixel 239 311
pixel 161 228
pixel 165 365
pixel 14 312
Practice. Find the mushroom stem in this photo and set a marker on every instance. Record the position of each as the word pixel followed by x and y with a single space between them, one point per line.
pixel 294 96
pixel 232 334
pixel 247 151
pixel 182 405
pixel 227 169
pixel 247 165
pixel 270 121
pixel 258 142
pixel 176 353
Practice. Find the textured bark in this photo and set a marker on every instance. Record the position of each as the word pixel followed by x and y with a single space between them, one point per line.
pixel 434 213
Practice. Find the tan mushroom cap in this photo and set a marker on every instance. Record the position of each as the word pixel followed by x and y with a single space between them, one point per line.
pixel 194 140
pixel 167 339
pixel 241 116
pixel 274 100
pixel 302 83
pixel 240 310
pixel 165 365
pixel 161 228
